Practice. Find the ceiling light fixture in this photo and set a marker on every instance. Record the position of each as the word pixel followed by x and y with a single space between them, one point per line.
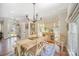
pixel 35 15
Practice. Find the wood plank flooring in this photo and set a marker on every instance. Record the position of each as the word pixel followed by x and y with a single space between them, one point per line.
pixel 3 47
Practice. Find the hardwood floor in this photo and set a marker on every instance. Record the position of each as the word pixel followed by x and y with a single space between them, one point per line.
pixel 3 47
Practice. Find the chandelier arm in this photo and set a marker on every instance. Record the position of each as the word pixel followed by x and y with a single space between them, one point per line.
pixel 27 17
pixel 35 16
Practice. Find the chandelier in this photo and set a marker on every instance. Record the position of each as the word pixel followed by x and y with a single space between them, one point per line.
pixel 35 15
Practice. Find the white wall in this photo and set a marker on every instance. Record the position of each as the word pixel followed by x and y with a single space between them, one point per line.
pixel 5 28
pixel 77 22
pixel 72 38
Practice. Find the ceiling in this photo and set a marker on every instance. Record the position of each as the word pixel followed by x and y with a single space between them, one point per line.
pixel 19 10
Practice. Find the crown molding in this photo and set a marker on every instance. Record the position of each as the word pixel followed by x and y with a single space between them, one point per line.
pixel 73 15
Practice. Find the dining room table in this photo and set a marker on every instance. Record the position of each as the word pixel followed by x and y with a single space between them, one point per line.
pixel 34 44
